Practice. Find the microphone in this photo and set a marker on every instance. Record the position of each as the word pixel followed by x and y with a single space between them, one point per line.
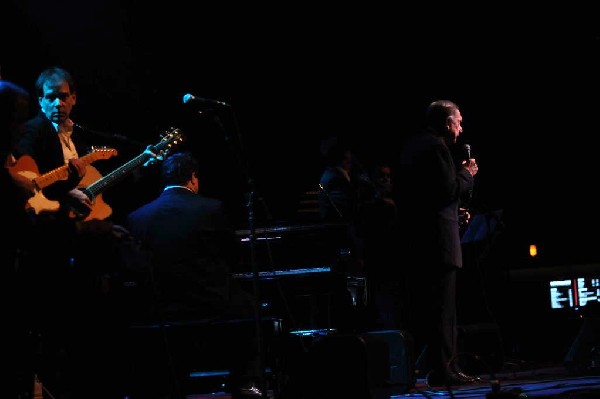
pixel 192 99
pixel 467 148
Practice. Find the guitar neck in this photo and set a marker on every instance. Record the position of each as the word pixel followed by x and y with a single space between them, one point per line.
pixel 116 175
pixel 60 173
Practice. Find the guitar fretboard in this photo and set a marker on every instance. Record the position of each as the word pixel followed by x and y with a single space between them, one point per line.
pixel 116 175
pixel 94 189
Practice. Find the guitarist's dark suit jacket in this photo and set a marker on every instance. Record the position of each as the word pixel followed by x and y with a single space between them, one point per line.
pixel 40 141
pixel 52 238
pixel 193 249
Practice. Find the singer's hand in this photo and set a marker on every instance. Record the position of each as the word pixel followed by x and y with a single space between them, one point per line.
pixel 471 166
pixel 464 217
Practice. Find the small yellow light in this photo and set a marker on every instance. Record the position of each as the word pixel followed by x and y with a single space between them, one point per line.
pixel 533 250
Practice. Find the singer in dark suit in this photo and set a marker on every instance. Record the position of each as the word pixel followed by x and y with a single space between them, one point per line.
pixel 430 186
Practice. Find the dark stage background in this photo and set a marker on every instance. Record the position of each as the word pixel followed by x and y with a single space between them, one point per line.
pixel 527 86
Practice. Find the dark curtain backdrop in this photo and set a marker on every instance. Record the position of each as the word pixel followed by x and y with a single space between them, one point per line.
pixel 527 86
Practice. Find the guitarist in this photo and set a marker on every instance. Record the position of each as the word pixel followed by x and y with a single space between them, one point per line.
pixel 51 138
pixel 66 259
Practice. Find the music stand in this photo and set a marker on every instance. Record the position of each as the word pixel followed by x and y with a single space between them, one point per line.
pixel 481 227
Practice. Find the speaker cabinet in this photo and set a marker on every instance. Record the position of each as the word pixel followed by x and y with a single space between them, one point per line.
pixel 480 349
pixel 371 365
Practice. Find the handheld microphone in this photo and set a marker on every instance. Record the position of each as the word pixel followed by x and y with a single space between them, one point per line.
pixel 467 148
pixel 192 99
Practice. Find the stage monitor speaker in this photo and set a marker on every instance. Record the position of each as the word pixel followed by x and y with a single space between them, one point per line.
pixel 480 349
pixel 371 365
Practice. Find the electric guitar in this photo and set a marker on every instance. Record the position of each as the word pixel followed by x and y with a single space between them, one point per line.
pixel 27 168
pixel 101 210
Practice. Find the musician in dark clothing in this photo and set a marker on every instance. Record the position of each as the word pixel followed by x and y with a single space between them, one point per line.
pixel 385 280
pixel 14 110
pixel 62 254
pixel 191 241
pixel 338 194
pixel 51 138
pixel 341 187
pixel 193 248
pixel 430 186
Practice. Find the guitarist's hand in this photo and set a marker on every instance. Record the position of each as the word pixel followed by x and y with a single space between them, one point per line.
pixel 77 166
pixel 153 156
pixel 21 180
pixel 79 197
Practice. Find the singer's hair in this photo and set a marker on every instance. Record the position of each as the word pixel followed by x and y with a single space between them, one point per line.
pixel 437 112
pixel 54 75
pixel 177 169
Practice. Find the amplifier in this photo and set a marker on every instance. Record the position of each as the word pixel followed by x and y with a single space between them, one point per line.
pixel 370 365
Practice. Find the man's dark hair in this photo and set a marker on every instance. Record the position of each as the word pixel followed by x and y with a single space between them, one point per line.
pixel 14 110
pixel 177 169
pixel 54 74
pixel 334 150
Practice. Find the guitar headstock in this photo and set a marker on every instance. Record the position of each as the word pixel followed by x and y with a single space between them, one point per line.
pixel 103 152
pixel 169 139
pixel 160 151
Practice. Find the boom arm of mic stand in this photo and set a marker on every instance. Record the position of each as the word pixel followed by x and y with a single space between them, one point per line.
pixel 334 206
pixel 111 136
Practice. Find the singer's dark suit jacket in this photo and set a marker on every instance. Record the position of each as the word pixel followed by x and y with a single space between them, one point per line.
pixel 193 250
pixel 430 187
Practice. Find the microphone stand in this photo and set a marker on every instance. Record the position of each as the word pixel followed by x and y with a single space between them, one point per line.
pixel 252 240
pixel 110 136
pixel 256 289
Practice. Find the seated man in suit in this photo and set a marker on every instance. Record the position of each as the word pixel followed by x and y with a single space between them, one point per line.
pixel 193 248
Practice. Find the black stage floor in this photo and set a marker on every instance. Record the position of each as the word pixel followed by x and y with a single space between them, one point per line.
pixel 537 381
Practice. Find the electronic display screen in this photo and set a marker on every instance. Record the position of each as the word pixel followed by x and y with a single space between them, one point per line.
pixel 574 293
